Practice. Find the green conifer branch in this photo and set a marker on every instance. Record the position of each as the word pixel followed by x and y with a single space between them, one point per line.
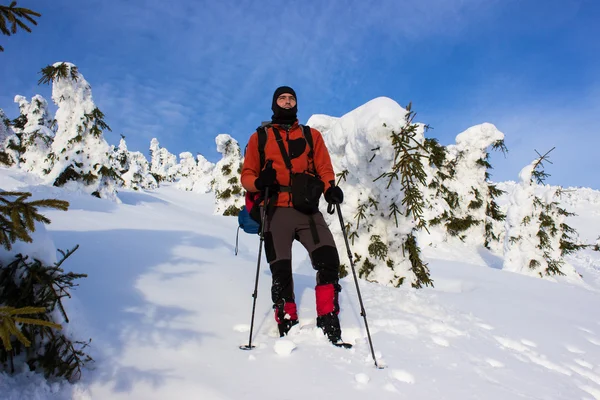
pixel 10 316
pixel 418 267
pixel 11 18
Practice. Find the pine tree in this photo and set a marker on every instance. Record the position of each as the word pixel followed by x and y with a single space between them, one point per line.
pixel 460 196
pixel 80 155
pixel 537 235
pixel 133 168
pixel 33 128
pixel 31 296
pixel 382 226
pixel 227 187
pixel 13 17
pixel 163 165
pixel 195 175
pixel 10 143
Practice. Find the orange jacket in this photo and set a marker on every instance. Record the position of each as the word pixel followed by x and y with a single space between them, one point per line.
pixel 321 159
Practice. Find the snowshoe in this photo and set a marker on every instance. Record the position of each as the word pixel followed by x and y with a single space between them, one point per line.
pixel 285 326
pixel 330 324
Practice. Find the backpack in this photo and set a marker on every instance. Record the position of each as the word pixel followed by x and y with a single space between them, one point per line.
pixel 249 216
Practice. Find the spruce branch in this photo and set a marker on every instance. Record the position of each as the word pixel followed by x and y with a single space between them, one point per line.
pixel 499 145
pixel 538 172
pixel 418 267
pixel 12 18
pixel 10 316
pixel 342 175
pixel 18 217
pixel 51 73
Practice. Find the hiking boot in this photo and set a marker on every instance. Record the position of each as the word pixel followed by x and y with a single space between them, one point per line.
pixel 286 316
pixel 285 326
pixel 330 324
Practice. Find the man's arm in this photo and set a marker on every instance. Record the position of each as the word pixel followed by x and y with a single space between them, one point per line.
pixel 251 167
pixel 322 159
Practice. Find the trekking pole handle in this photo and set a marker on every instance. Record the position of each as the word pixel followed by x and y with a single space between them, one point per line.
pixel 331 207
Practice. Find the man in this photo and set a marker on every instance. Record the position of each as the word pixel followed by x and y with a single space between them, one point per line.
pixel 293 169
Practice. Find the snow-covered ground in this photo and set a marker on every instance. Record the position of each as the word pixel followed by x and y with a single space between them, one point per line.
pixel 167 304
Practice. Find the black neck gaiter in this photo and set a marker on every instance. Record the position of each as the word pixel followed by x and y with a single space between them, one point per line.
pixel 284 116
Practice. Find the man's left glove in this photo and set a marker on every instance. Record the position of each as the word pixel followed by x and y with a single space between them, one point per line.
pixel 334 195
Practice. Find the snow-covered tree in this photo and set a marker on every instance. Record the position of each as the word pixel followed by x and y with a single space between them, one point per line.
pixel 163 165
pixel 34 129
pixel 133 168
pixel 8 141
pixel 204 172
pixel 460 196
pixel 195 175
pixel 537 236
pixel 229 198
pixel 377 152
pixel 80 155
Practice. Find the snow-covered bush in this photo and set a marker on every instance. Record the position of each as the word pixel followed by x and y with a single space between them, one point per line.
pixel 8 140
pixel 80 156
pixel 229 197
pixel 163 165
pixel 133 168
pixel 537 236
pixel 195 176
pixel 34 129
pixel 459 195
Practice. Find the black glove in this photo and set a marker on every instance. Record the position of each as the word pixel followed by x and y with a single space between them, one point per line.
pixel 334 195
pixel 267 179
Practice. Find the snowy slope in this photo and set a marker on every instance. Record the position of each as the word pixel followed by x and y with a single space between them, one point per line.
pixel 167 305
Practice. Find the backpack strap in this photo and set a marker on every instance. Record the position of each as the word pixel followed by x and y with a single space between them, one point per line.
pixel 309 139
pixel 261 131
pixel 284 154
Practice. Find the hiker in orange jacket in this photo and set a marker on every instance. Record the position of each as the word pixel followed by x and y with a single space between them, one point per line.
pixel 297 170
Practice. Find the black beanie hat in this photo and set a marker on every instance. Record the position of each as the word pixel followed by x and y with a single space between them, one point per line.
pixel 282 115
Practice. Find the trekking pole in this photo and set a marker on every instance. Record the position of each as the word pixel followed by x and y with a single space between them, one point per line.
pixel 260 246
pixel 362 307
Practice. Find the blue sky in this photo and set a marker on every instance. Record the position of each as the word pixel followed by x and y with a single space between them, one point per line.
pixel 185 71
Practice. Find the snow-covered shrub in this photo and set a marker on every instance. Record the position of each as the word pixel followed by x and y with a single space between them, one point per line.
pixel 229 197
pixel 459 195
pixel 195 176
pixel 537 236
pixel 34 129
pixel 80 156
pixel 133 168
pixel 8 139
pixel 163 165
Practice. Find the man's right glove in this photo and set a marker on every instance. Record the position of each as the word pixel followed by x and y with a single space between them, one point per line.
pixel 334 195
pixel 267 179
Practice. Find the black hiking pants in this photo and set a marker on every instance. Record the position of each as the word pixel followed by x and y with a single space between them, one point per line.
pixel 283 226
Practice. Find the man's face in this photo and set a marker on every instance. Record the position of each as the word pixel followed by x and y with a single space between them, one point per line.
pixel 286 101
